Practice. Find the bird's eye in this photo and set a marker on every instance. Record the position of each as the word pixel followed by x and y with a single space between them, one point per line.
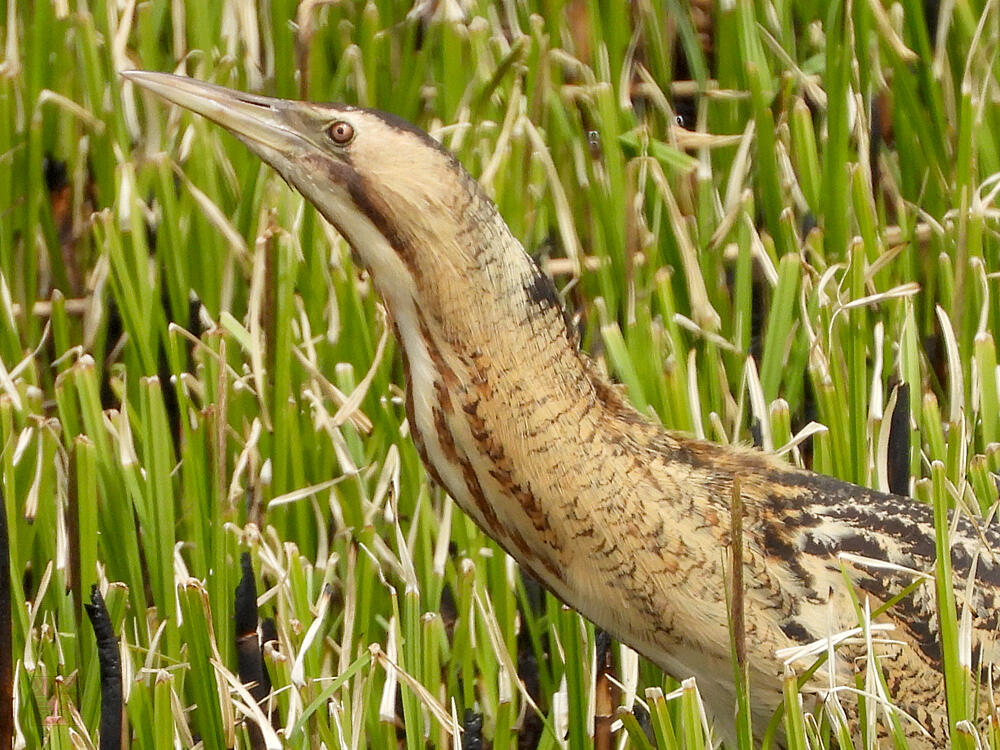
pixel 341 132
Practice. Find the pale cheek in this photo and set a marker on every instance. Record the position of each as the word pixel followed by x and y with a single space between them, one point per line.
pixel 392 279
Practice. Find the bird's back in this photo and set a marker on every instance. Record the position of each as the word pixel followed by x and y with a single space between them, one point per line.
pixel 802 532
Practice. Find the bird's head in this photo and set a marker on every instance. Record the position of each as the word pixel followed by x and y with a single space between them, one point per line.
pixel 403 203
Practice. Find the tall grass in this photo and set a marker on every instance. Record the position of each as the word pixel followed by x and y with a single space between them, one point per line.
pixel 192 367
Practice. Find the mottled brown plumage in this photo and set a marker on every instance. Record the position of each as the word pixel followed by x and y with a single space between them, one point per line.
pixel 624 521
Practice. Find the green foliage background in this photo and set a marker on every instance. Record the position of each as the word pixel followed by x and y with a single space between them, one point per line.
pixel 822 227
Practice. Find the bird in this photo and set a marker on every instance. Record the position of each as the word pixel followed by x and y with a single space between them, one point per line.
pixel 625 521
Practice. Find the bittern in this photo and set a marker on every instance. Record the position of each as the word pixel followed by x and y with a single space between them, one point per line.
pixel 624 521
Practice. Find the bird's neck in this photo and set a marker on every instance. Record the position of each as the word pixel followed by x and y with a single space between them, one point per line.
pixel 544 454
pixel 505 410
pixel 485 315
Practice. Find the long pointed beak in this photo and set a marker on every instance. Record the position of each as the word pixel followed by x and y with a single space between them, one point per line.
pixel 258 121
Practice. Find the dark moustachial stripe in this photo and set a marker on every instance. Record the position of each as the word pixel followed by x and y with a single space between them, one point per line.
pixel 370 204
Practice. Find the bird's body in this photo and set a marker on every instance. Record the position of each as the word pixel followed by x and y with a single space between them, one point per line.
pixel 624 521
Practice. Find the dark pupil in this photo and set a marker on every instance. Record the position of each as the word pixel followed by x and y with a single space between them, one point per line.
pixel 341 131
